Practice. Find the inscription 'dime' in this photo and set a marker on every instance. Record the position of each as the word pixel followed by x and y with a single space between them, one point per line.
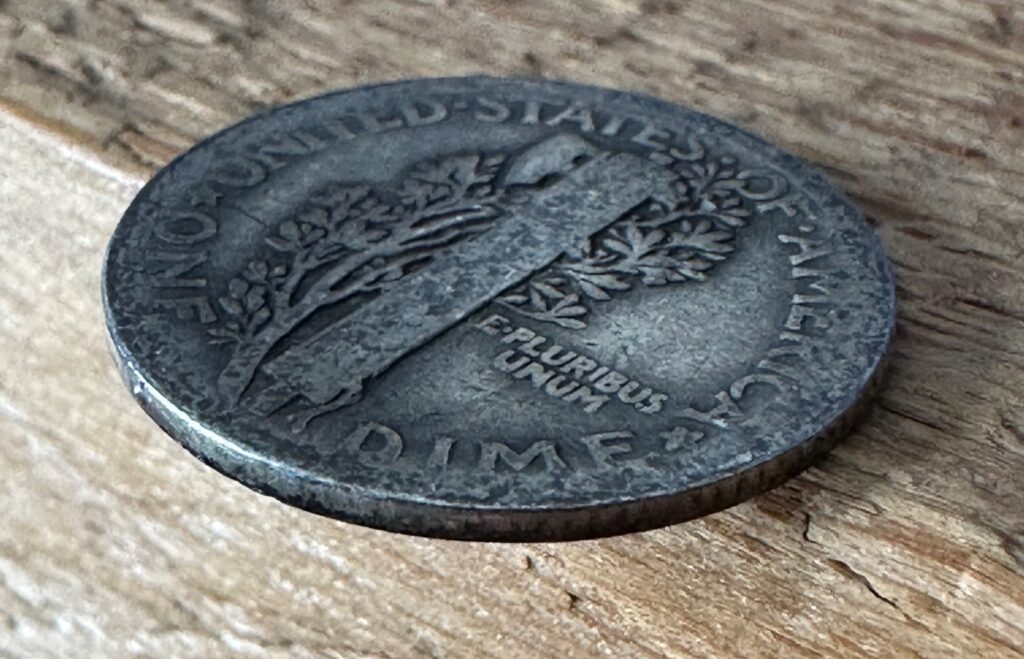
pixel 377 445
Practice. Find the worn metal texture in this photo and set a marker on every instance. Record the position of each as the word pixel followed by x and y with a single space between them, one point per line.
pixel 497 309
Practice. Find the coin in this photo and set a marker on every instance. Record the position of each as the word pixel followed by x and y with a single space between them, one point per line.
pixel 497 309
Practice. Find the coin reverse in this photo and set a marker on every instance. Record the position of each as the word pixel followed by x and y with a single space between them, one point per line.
pixel 497 309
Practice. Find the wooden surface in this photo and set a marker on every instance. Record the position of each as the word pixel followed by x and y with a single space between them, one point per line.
pixel 907 541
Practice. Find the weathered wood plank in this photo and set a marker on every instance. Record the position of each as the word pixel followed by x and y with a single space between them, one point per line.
pixel 909 540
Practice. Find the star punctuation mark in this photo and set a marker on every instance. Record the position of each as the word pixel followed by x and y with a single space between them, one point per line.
pixel 680 436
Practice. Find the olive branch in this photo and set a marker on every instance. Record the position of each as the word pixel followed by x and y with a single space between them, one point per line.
pixel 655 244
pixel 349 241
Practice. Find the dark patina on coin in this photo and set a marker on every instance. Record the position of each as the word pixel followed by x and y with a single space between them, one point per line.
pixel 497 309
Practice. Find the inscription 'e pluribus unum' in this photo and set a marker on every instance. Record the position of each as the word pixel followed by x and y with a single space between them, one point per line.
pixel 563 373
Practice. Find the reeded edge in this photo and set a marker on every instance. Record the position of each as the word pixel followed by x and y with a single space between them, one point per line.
pixel 429 518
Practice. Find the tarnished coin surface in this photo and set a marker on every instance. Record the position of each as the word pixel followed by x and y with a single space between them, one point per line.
pixel 497 309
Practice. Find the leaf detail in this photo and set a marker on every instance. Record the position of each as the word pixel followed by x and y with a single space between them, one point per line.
pixel 254 298
pixel 290 231
pixel 280 244
pixel 261 316
pixel 593 291
pixel 547 289
pixel 231 306
pixel 570 323
pixel 238 287
pixel 661 242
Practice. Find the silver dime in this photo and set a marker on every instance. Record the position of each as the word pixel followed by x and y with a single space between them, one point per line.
pixel 497 309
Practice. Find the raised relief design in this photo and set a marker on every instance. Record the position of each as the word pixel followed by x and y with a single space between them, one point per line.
pixel 350 241
pixel 549 233
pixel 564 373
pixel 654 245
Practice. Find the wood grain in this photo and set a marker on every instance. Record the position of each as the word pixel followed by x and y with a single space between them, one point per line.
pixel 907 541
